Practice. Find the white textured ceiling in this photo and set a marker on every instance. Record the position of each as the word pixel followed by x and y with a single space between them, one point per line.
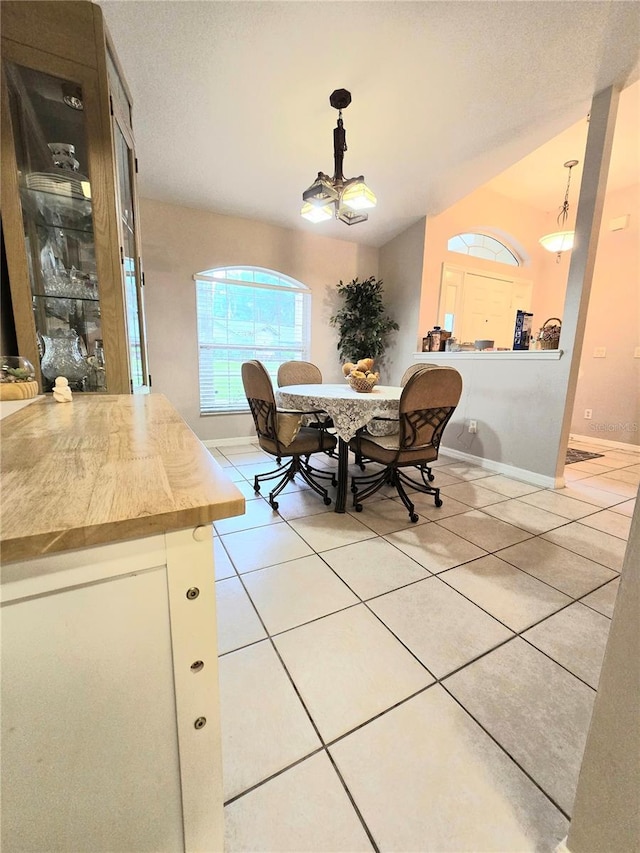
pixel 232 111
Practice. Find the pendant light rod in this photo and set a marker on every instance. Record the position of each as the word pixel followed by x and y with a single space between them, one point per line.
pixel 564 210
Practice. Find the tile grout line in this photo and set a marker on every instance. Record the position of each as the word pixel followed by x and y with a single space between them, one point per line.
pixel 506 752
pixel 313 723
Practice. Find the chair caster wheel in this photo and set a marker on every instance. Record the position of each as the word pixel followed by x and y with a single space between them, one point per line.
pixel 358 507
pixel 431 477
pixel 256 489
pixel 327 501
pixel 334 482
pixel 361 466
pixel 414 517
pixel 438 501
pixel 274 505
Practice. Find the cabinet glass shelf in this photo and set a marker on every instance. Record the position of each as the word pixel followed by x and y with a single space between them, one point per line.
pixel 44 204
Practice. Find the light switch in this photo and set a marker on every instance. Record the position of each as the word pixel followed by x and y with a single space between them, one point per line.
pixel 600 352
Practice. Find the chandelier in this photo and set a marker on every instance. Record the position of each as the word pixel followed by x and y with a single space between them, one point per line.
pixel 561 241
pixel 344 198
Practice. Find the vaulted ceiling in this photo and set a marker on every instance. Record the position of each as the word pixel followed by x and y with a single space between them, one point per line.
pixel 232 111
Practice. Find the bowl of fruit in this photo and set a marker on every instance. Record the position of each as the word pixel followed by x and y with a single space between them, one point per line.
pixel 361 376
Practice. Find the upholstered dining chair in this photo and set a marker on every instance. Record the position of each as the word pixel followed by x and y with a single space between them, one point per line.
pixel 425 470
pixel 427 402
pixel 305 373
pixel 389 427
pixel 298 373
pixel 281 434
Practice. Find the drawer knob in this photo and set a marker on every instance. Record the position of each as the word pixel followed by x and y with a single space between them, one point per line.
pixel 202 532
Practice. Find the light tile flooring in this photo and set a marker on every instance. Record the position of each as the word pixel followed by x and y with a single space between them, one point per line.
pixel 396 686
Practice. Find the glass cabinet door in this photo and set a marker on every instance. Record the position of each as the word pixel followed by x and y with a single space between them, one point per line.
pixel 132 275
pixel 48 124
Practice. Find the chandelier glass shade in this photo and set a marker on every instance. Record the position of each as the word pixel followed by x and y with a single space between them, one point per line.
pixel 561 241
pixel 344 198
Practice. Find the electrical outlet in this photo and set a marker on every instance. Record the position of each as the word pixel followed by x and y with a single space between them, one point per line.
pixel 600 352
pixel 636 352
pixel 473 426
pixel 588 414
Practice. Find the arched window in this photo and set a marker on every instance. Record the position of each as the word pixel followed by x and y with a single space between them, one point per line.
pixel 245 313
pixel 482 246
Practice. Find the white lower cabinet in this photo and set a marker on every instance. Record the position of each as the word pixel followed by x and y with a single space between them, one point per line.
pixel 109 699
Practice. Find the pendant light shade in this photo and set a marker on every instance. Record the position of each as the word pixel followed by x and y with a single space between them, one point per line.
pixel 358 196
pixel 316 213
pixel 559 241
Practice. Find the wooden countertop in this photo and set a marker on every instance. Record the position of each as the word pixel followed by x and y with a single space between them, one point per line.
pixel 102 469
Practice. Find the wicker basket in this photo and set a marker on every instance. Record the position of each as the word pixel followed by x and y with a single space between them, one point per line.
pixel 552 331
pixel 360 385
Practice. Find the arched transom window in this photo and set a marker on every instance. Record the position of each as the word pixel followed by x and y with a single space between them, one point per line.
pixel 245 313
pixel 482 246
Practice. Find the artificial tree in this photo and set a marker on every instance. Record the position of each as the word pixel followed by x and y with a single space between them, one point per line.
pixel 362 322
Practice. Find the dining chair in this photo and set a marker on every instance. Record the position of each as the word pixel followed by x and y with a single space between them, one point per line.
pixel 298 373
pixel 425 470
pixel 282 435
pixel 388 429
pixel 305 373
pixel 428 400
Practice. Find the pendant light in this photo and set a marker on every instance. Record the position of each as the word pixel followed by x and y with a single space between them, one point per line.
pixel 561 241
pixel 344 198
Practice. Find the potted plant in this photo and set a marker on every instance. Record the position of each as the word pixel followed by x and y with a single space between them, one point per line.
pixel 362 322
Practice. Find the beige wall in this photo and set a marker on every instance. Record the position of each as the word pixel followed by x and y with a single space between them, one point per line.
pixel 519 226
pixel 178 242
pixel 401 263
pixel 609 386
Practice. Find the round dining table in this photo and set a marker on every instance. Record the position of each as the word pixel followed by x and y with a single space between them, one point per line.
pixel 349 410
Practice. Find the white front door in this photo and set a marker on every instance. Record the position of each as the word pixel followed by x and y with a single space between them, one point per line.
pixel 476 306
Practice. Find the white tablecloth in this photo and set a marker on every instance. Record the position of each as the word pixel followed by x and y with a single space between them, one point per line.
pixel 349 409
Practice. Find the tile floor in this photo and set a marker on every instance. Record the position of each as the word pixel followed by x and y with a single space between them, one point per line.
pixel 428 687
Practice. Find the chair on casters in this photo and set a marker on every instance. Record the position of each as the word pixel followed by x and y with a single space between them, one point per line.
pixel 427 402
pixel 425 470
pixel 281 435
pixel 305 373
pixel 414 368
pixel 298 373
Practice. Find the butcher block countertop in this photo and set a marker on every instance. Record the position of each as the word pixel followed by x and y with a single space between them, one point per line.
pixel 104 469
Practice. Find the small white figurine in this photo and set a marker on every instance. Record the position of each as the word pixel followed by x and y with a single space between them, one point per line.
pixel 62 392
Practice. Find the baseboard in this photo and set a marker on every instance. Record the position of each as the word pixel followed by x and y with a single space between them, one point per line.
pixel 605 442
pixel 227 442
pixel 522 474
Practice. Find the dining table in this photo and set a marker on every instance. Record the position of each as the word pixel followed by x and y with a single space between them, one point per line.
pixel 350 411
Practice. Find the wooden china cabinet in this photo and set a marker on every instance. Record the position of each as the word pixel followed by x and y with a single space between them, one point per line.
pixel 69 212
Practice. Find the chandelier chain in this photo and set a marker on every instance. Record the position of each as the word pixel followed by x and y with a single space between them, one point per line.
pixel 564 210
